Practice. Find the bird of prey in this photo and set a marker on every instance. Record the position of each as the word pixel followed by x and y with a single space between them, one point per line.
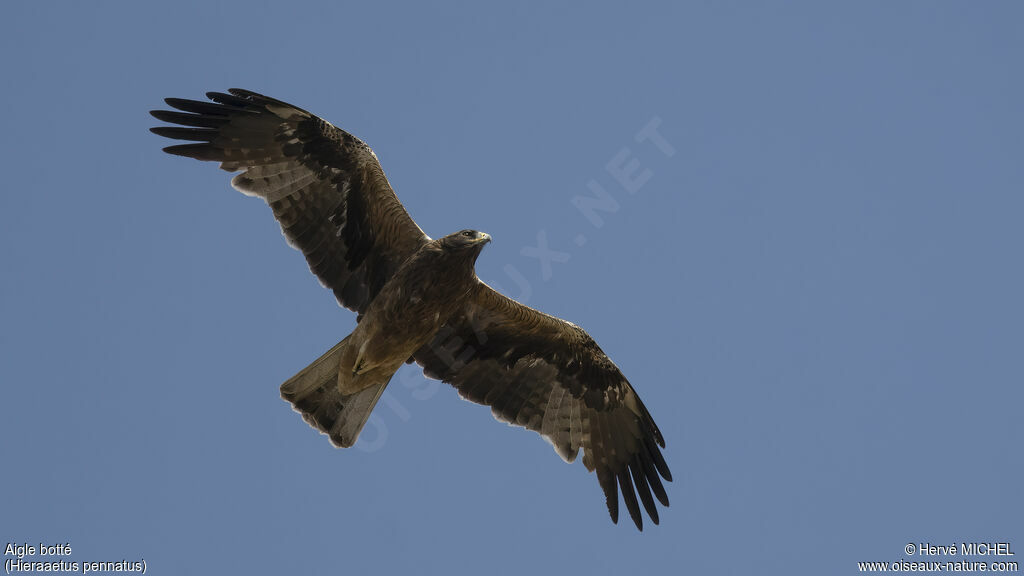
pixel 418 299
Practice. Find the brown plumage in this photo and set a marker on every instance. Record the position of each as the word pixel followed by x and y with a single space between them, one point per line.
pixel 418 299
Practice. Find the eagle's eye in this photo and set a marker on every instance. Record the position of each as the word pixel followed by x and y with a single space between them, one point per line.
pixel 467 234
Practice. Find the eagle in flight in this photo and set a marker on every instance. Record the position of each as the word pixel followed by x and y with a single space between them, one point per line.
pixel 418 299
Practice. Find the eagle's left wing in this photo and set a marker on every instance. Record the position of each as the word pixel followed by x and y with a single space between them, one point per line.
pixel 549 376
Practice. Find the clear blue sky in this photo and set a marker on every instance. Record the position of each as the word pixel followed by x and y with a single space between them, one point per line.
pixel 818 293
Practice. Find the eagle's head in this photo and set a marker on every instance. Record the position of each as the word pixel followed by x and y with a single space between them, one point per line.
pixel 466 240
pixel 467 243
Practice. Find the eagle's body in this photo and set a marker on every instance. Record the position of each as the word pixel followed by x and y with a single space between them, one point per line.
pixel 418 299
pixel 431 285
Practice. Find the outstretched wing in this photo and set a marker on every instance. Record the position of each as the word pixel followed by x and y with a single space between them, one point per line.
pixel 325 186
pixel 549 376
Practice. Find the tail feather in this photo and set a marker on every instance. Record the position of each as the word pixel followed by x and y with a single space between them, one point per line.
pixel 314 393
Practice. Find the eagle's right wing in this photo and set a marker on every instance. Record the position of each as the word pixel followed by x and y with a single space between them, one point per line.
pixel 549 376
pixel 325 186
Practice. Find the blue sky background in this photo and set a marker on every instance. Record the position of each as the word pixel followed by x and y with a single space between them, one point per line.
pixel 818 294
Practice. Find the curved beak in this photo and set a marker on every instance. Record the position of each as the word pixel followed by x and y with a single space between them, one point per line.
pixel 484 238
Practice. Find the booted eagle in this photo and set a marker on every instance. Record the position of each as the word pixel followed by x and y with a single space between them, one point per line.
pixel 418 299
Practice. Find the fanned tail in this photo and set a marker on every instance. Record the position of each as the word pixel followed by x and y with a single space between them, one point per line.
pixel 315 394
